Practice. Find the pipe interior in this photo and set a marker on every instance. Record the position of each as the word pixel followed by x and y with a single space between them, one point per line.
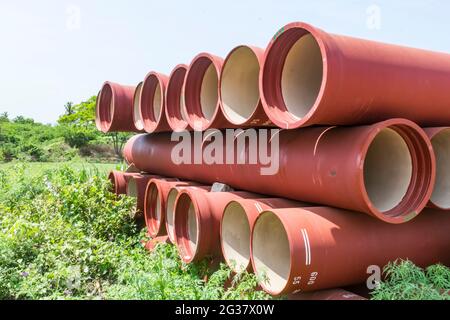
pixel 170 213
pixel 441 192
pixel 209 94
pixel 137 108
pixel 192 227
pixel 154 206
pixel 239 86
pixel 106 107
pixel 387 170
pixel 112 179
pixel 175 98
pixel 158 207
pixel 132 188
pixel 157 102
pixel 302 75
pixel 236 237
pixel 183 110
pixel 271 251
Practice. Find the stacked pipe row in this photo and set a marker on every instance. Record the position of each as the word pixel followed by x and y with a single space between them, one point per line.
pixel 369 133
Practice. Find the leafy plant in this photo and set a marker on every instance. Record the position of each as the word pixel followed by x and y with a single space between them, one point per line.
pixel 63 235
pixel 406 281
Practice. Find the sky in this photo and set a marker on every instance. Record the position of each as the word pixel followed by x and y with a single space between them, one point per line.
pixel 55 51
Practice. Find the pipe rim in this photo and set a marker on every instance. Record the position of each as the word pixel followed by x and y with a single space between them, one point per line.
pixel 257 271
pixel 258 55
pixel 270 89
pixel 112 177
pixel 438 201
pixel 170 216
pixel 152 82
pixel 105 114
pixel 137 117
pixel 153 199
pixel 174 93
pixel 423 171
pixel 181 226
pixel 193 87
pixel 232 266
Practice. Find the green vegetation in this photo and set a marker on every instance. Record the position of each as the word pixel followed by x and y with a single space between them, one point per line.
pixel 38 168
pixel 75 137
pixel 64 236
pixel 405 281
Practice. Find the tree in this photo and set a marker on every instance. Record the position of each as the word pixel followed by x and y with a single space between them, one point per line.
pixel 69 108
pixel 4 117
pixel 82 115
pixel 118 139
pixel 80 122
pixel 23 120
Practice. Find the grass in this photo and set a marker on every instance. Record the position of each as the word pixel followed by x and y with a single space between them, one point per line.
pixel 38 168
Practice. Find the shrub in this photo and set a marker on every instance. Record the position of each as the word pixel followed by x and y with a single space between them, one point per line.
pixel 64 236
pixel 406 281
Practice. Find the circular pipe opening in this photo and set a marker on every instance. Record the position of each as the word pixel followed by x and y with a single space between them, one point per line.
pixel 105 108
pixel 388 170
pixel 112 180
pixel 235 237
pixel 441 147
pixel 186 227
pixel 170 213
pixel 153 209
pixel 201 92
pixel 175 107
pixel 239 85
pixel 151 104
pixel 271 252
pixel 293 75
pixel 137 117
pixel 302 76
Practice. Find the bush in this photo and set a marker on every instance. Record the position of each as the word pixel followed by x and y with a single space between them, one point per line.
pixel 406 281
pixel 64 236
pixel 77 137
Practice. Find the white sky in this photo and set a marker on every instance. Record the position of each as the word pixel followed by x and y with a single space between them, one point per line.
pixel 57 51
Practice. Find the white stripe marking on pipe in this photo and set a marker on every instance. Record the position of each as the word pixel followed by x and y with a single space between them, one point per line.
pixel 307 247
pixel 258 207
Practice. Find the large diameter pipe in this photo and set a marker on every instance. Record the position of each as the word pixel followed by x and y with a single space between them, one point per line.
pixel 331 294
pixel 309 249
pixel 152 103
pixel 175 107
pixel 201 93
pixel 119 181
pixel 440 139
pixel 239 88
pixel 155 201
pixel 136 187
pixel 310 77
pixel 386 169
pixel 171 205
pixel 236 224
pixel 197 222
pixel 114 108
